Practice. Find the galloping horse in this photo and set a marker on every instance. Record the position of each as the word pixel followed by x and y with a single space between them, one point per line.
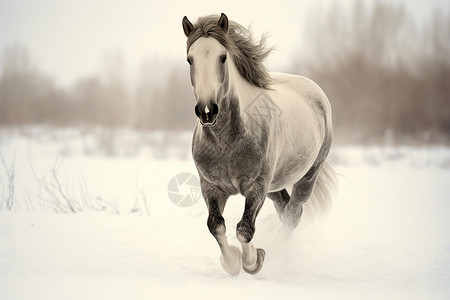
pixel 257 134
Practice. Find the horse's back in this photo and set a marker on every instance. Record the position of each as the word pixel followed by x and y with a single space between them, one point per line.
pixel 305 89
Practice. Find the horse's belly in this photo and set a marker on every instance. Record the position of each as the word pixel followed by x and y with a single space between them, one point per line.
pixel 291 170
pixel 286 178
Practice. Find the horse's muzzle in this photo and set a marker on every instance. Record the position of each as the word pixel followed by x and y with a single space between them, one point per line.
pixel 207 114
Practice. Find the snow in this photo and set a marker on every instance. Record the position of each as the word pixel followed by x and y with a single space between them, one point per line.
pixel 386 237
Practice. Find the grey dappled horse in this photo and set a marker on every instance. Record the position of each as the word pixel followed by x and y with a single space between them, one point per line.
pixel 257 134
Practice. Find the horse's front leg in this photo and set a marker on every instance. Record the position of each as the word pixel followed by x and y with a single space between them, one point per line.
pixel 216 200
pixel 252 258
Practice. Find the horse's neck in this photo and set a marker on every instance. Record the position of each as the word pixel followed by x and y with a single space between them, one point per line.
pixel 243 90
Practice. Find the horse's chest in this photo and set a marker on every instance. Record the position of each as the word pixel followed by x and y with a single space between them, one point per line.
pixel 227 166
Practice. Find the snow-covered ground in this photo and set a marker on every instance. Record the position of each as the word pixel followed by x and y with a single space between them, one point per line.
pixel 386 237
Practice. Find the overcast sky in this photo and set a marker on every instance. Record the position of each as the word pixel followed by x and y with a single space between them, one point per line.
pixel 69 39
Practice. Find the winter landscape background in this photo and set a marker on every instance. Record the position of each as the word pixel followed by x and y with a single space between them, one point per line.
pixel 96 119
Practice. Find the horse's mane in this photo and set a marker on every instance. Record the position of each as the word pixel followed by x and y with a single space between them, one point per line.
pixel 247 53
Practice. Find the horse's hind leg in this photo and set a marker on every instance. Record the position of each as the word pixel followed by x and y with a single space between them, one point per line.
pixel 301 192
pixel 280 200
pixel 302 189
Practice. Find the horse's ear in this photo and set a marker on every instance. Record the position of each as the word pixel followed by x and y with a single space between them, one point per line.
pixel 187 26
pixel 223 22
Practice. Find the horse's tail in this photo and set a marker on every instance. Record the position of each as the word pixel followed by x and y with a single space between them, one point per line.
pixel 321 201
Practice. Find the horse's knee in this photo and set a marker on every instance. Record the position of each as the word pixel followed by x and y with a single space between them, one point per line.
pixel 216 225
pixel 304 187
pixel 245 231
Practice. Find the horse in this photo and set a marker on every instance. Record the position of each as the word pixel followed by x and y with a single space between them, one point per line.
pixel 257 134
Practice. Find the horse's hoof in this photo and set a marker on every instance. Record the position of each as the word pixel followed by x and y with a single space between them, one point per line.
pixel 261 254
pixel 231 262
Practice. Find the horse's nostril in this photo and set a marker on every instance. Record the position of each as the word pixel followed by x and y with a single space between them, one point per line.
pixel 197 111
pixel 215 109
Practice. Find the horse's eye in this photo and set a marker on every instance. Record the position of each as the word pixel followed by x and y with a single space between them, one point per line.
pixel 223 59
pixel 189 61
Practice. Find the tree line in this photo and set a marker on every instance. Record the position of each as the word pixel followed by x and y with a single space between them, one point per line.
pixel 386 74
pixel 27 96
pixel 387 77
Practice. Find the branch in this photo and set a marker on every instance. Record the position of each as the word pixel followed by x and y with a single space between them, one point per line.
pixel 10 176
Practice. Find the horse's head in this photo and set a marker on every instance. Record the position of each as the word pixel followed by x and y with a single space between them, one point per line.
pixel 208 60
